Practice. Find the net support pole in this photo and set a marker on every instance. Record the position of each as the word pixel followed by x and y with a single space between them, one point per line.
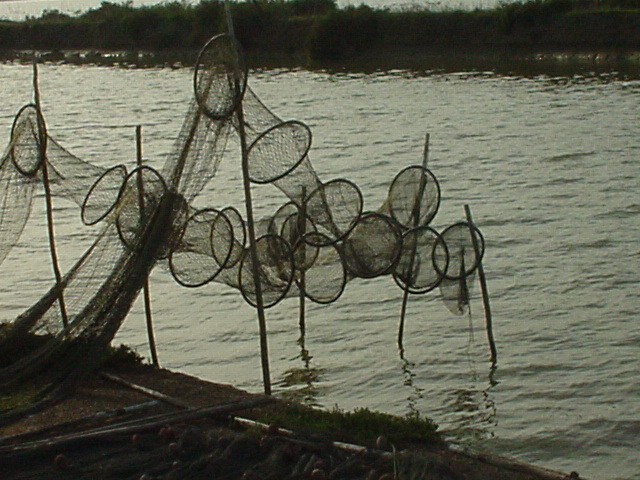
pixel 483 287
pixel 253 251
pixel 416 216
pixel 145 290
pixel 302 226
pixel 47 197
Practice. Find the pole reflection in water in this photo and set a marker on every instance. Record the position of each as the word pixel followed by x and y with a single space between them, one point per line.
pixel 301 384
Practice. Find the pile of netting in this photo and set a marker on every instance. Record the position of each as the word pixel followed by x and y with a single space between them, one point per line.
pixel 208 450
pixel 317 241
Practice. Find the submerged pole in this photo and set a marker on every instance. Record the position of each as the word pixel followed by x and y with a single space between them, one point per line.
pixel 416 217
pixel 145 291
pixel 47 196
pixel 302 227
pixel 483 287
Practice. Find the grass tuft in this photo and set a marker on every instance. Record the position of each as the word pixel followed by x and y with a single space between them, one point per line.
pixel 361 426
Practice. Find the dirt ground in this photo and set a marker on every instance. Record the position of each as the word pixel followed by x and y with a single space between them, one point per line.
pixel 104 402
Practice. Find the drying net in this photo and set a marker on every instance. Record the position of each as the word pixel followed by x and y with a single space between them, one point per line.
pixel 144 215
pixel 320 237
pixel 317 241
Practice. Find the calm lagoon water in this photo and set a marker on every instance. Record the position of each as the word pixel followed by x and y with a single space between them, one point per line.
pixel 551 170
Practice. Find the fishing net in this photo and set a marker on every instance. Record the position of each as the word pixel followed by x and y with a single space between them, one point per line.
pixel 372 248
pixel 275 271
pixel 220 77
pixel 144 215
pixel 414 197
pixel 204 249
pixel 465 245
pixel 16 188
pixel 320 272
pixel 423 259
pixel 317 241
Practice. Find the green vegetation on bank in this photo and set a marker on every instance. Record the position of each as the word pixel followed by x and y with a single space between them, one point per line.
pixel 361 426
pixel 319 31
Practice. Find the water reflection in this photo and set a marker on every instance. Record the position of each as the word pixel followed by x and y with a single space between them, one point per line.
pixel 301 384
pixel 472 412
pixel 416 393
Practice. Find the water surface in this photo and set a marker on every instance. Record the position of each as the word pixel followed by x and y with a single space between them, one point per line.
pixel 550 169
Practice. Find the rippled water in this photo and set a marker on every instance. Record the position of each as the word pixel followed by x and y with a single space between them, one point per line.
pixel 550 168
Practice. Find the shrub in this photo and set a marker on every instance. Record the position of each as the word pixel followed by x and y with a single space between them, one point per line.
pixel 343 33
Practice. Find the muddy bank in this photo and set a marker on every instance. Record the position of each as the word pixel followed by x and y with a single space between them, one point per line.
pixel 145 422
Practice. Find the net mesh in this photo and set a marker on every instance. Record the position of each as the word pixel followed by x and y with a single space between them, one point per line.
pixel 144 216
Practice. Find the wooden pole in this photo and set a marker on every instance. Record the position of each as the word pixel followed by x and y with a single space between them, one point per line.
pixel 416 217
pixel 253 251
pixel 301 227
pixel 47 196
pixel 145 291
pixel 483 287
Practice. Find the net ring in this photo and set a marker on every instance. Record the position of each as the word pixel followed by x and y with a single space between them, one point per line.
pixel 373 247
pixel 130 217
pixel 239 235
pixel 334 208
pixel 220 77
pixel 275 268
pixel 410 184
pixel 286 144
pixel 29 165
pixel 463 260
pixel 423 259
pixel 194 267
pixel 323 281
pixel 103 195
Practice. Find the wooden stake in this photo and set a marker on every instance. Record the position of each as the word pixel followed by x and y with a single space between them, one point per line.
pixel 146 292
pixel 47 196
pixel 302 226
pixel 416 217
pixel 253 251
pixel 483 287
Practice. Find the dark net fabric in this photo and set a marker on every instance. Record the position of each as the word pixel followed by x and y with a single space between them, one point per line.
pixel 239 235
pixel 16 189
pixel 456 294
pixel 320 272
pixel 29 138
pixel 372 248
pixel 423 259
pixel 220 77
pixel 335 208
pixel 277 151
pixel 291 171
pixel 414 197
pixel 72 178
pixel 103 195
pixel 275 271
pixel 204 248
pixel 463 258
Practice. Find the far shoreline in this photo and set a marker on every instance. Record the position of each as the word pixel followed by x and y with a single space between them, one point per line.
pixel 523 63
pixel 530 37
